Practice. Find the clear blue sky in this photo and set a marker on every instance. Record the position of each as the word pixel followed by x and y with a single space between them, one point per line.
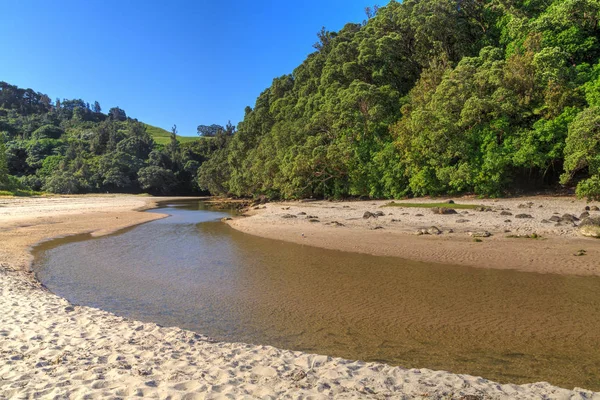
pixel 163 62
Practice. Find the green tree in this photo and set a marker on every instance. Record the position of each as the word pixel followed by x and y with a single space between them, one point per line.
pixel 156 180
pixel 209 130
pixel 117 114
pixel 4 180
pixel 47 132
pixel 582 153
pixel 61 182
pixel 173 148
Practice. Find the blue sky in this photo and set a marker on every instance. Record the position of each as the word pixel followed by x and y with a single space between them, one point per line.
pixel 163 62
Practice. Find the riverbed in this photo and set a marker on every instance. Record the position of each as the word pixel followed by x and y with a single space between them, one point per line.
pixel 192 271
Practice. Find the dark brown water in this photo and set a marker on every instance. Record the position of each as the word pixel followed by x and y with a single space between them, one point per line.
pixel 192 271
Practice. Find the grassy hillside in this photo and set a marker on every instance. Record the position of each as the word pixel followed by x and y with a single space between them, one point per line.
pixel 161 136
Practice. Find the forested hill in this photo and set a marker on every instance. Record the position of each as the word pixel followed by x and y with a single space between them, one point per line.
pixel 429 97
pixel 68 146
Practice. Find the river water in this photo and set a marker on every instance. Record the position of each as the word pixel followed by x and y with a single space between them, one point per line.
pixel 192 271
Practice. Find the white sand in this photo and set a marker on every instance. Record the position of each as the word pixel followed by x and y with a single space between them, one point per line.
pixel 51 349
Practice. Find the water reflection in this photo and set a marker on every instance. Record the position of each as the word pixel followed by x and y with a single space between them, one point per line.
pixel 192 271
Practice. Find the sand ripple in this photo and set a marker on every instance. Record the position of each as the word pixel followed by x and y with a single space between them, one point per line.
pixel 51 349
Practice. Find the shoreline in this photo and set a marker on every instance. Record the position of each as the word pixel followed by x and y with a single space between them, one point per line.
pixel 52 348
pixel 341 226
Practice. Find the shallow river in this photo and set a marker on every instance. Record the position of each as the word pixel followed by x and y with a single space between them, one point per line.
pixel 192 271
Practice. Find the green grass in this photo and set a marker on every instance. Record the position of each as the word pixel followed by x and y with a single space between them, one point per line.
pixel 432 205
pixel 532 236
pixel 20 193
pixel 163 137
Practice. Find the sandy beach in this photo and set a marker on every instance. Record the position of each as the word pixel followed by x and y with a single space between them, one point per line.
pixel 342 226
pixel 52 349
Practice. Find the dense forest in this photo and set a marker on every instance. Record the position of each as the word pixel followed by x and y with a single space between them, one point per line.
pixel 429 97
pixel 425 97
pixel 68 146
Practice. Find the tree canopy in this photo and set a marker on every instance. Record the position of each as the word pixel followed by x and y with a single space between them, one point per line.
pixel 67 146
pixel 428 97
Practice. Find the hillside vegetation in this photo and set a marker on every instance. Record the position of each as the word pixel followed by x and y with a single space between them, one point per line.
pixel 425 97
pixel 68 146
pixel 429 97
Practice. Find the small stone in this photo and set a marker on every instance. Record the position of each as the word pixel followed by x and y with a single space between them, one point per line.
pixel 379 213
pixel 288 216
pixel 369 214
pixel 587 208
pixel 298 375
pixel 471 397
pixel 569 218
pixel 143 371
pixel 508 221
pixel 418 215
pixel 590 227
pixel 482 234
pixel 584 215
pixel 523 216
pixel 506 213
pixel 69 308
pixel 302 213
pixel 594 208
pixel 461 221
pixel 545 221
pixel 434 230
pixel 443 210
pixel 449 201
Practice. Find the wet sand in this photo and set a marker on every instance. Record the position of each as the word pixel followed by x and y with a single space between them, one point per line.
pixel 50 348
